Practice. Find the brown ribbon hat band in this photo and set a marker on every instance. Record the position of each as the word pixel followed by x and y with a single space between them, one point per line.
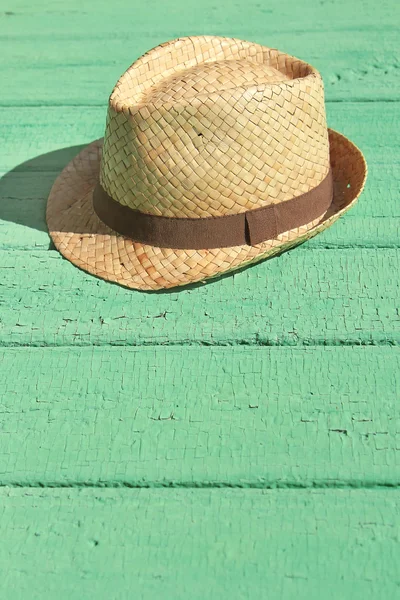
pixel 251 227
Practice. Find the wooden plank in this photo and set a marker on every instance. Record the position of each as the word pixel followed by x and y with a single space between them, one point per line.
pixel 30 132
pixel 309 16
pixel 78 56
pixel 370 74
pixel 238 416
pixel 178 544
pixel 23 198
pixel 373 222
pixel 289 15
pixel 319 297
pixel 24 189
pixel 41 139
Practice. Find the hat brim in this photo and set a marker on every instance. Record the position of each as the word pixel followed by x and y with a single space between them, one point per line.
pixel 89 244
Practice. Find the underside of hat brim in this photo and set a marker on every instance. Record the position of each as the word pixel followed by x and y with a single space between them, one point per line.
pixel 89 244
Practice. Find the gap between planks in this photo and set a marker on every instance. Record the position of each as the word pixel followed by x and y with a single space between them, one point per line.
pixel 226 343
pixel 206 485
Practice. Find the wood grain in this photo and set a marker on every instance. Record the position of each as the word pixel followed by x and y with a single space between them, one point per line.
pixel 78 53
pixel 179 416
pixel 301 298
pixel 242 544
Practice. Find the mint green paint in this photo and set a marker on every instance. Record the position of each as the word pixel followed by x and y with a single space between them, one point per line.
pixel 193 416
pixel 303 297
pixel 169 544
pixel 102 386
pixel 354 45
pixel 25 187
pixel 32 131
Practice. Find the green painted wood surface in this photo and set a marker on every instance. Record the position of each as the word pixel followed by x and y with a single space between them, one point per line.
pixel 32 162
pixel 339 288
pixel 283 376
pixel 238 416
pixel 78 52
pixel 242 544
pixel 314 297
pixel 30 132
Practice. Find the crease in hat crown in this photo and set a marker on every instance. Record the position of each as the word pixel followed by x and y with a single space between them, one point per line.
pixel 208 126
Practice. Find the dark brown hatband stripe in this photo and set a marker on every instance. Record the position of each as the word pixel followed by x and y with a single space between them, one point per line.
pixel 246 228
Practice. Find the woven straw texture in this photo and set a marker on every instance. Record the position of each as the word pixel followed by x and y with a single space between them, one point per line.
pixel 200 127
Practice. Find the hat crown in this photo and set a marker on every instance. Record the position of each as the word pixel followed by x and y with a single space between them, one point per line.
pixel 212 77
pixel 209 126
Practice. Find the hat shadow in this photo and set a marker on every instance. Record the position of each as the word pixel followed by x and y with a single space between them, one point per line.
pixel 23 197
pixel 24 190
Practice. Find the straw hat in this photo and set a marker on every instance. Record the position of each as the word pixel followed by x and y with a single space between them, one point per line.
pixel 216 154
